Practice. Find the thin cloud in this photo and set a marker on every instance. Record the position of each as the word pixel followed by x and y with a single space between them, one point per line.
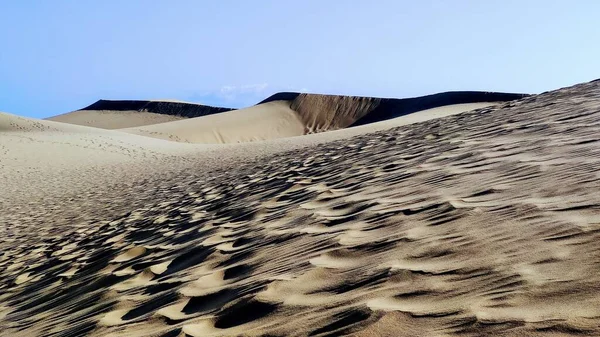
pixel 231 92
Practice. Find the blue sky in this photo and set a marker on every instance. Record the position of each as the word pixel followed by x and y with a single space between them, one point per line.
pixel 58 56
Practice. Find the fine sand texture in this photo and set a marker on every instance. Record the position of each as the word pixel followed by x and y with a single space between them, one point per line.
pixel 117 114
pixel 485 223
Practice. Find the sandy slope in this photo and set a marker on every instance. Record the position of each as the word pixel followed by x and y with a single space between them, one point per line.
pixel 69 143
pixel 416 117
pixel 41 158
pixel 485 223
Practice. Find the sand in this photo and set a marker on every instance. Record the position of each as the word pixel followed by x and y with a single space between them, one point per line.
pixel 117 114
pixel 110 119
pixel 322 112
pixel 40 158
pixel 294 115
pixel 481 223
pixel 55 156
pixel 276 120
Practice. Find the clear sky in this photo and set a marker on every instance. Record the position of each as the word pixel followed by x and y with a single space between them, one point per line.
pixel 58 56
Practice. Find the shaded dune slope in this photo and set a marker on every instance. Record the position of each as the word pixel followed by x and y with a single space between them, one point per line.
pixel 51 156
pixel 330 112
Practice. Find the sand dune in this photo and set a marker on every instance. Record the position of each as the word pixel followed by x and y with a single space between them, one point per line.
pixel 485 223
pixel 43 152
pixel 117 114
pixel 109 119
pixel 68 137
pixel 283 119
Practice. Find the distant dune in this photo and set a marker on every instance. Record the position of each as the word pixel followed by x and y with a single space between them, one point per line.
pixel 117 114
pixel 291 114
pixel 260 122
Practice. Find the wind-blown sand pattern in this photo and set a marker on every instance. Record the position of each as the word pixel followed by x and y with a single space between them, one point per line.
pixel 482 223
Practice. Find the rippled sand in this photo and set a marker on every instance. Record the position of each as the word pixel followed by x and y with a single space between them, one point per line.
pixel 483 223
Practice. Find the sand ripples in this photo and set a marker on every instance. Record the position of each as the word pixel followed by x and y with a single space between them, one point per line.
pixel 482 223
